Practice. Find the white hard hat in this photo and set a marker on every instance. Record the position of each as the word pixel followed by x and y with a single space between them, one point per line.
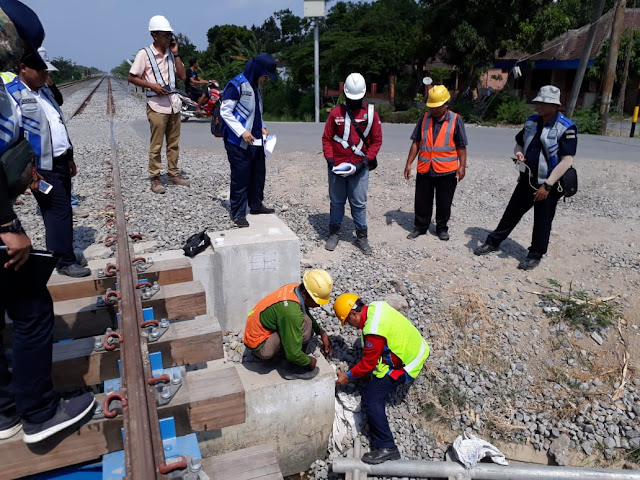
pixel 43 55
pixel 427 80
pixel 158 23
pixel 355 87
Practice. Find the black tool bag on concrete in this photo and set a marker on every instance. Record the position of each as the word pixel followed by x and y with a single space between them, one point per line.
pixel 196 243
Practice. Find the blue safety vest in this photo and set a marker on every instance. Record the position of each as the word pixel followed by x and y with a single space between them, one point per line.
pixel 34 120
pixel 549 137
pixel 244 111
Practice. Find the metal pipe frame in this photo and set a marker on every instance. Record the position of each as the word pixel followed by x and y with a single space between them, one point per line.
pixel 485 471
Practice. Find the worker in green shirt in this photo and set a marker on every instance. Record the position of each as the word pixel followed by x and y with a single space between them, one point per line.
pixel 281 321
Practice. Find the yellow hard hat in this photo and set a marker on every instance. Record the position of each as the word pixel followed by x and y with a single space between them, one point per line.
pixel 318 284
pixel 438 95
pixel 343 305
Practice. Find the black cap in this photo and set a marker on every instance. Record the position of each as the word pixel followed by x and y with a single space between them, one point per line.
pixel 30 30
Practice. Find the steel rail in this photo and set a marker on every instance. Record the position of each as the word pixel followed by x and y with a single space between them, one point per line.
pixel 86 100
pixel 143 442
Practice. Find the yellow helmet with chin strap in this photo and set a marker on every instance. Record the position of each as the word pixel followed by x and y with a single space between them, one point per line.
pixel 438 96
pixel 318 284
pixel 343 305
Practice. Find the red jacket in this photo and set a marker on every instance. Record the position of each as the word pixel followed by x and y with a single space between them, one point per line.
pixel 335 126
pixel 375 347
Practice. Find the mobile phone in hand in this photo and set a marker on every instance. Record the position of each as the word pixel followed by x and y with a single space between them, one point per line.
pixel 44 187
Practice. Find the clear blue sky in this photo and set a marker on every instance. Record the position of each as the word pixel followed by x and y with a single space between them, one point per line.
pixel 102 33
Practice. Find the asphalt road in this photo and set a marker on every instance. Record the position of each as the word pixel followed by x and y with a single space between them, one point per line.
pixel 483 141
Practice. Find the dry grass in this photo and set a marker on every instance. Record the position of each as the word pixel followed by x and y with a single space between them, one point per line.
pixel 467 310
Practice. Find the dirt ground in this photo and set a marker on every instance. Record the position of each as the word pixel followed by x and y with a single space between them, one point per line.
pixel 594 248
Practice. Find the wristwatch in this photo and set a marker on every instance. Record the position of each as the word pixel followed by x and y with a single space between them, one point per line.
pixel 547 187
pixel 14 227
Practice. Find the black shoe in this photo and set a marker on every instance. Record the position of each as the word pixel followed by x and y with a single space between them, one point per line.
pixel 529 263
pixel 9 424
pixel 381 455
pixel 485 248
pixel 300 374
pixel 362 241
pixel 443 235
pixel 262 210
pixel 415 234
pixel 332 242
pixel 69 412
pixel 74 270
pixel 241 222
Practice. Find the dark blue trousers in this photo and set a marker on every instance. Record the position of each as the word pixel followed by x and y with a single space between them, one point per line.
pixel 373 404
pixel 248 173
pixel 30 389
pixel 56 210
pixel 520 203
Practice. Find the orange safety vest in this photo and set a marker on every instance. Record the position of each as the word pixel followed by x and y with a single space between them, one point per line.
pixel 443 151
pixel 254 332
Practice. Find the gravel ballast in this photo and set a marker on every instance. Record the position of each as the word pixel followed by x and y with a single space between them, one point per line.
pixel 501 366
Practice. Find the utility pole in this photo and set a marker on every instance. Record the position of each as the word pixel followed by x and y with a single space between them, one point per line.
pixel 612 60
pixel 315 10
pixel 584 59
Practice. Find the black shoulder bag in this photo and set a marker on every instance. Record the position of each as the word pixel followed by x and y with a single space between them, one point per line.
pixel 19 165
pixel 373 163
pixel 196 243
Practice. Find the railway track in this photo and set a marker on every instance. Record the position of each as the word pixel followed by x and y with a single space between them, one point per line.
pixel 130 331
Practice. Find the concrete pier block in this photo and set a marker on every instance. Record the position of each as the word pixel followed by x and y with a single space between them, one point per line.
pixel 249 263
pixel 295 417
pixel 243 266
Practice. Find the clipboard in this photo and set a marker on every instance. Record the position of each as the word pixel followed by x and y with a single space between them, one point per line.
pixel 36 270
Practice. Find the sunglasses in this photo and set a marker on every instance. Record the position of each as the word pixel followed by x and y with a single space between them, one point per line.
pixel 165 34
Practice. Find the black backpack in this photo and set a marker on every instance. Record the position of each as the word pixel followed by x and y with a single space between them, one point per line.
pixel 217 123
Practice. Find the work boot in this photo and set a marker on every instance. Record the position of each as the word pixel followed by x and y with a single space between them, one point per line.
pixel 529 263
pixel 74 270
pixel 334 238
pixel 381 455
pixel 156 185
pixel 361 241
pixel 485 248
pixel 178 180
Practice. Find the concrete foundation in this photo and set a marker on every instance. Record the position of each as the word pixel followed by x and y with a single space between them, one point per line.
pixel 247 264
pixel 244 265
pixel 295 417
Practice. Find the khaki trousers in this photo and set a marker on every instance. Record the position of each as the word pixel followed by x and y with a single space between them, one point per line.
pixel 272 345
pixel 167 126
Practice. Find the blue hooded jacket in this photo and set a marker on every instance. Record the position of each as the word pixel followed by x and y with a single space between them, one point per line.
pixel 260 65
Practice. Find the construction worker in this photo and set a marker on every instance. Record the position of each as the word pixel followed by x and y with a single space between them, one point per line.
pixel 281 321
pixel 544 151
pixel 394 351
pixel 351 141
pixel 440 142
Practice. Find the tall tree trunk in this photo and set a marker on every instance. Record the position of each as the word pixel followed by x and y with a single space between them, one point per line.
pixel 625 73
pixel 612 61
